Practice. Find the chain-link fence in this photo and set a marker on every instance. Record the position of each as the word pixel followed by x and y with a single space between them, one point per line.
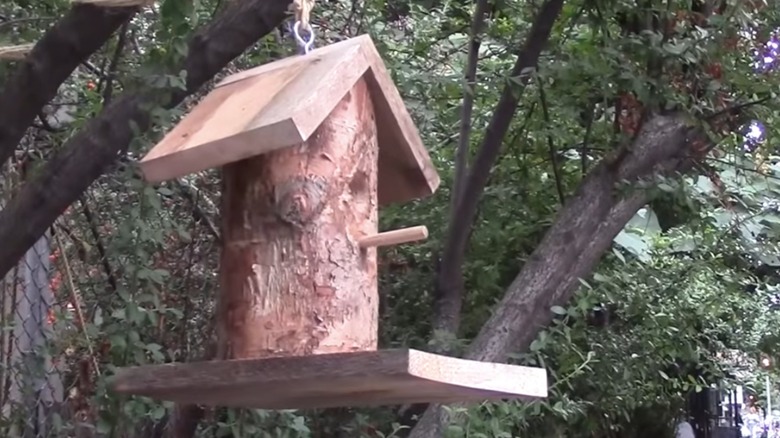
pixel 32 383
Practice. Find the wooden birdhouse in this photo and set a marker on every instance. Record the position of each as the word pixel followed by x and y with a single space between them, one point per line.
pixel 309 147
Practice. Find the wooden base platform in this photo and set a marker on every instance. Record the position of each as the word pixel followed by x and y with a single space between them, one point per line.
pixel 371 378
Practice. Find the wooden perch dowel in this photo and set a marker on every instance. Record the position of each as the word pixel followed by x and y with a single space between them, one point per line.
pixel 395 237
pixel 15 53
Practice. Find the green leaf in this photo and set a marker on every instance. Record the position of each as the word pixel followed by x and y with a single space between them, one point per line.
pixel 98 318
pixel 558 310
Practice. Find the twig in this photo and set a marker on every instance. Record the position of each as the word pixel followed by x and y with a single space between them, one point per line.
pixel 134 42
pixel 76 302
pixel 743 168
pixel 45 125
pixel 187 303
pixel 92 69
pixel 346 30
pixel 102 253
pixel 519 156
pixel 551 143
pixel 192 194
pixel 9 349
pixel 120 46
pixel 736 108
pixel 586 140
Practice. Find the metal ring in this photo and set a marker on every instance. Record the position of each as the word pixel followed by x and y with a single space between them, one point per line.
pixel 305 44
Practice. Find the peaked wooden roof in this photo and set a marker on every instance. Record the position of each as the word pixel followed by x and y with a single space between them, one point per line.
pixel 281 104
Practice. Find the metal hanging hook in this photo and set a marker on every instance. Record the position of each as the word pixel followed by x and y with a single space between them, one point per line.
pixel 304 44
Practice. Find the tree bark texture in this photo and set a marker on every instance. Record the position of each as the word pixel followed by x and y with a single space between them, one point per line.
pixel 580 235
pixel 77 35
pixel 90 153
pixel 293 280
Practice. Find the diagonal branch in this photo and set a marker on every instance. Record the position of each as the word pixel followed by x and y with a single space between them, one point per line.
pixel 582 232
pixel 80 33
pixel 88 154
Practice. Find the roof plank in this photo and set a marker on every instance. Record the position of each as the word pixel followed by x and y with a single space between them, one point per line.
pixel 282 104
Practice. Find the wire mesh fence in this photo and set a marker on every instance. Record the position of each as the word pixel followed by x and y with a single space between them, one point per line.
pixel 32 384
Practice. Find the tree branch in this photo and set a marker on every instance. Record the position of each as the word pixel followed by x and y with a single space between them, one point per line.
pixel 466 110
pixel 192 195
pixel 102 253
pixel 89 153
pixel 584 150
pixel 449 275
pixel 108 91
pixel 551 144
pixel 449 281
pixel 81 32
pixel 736 109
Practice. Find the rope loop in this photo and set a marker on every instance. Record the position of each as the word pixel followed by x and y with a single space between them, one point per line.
pixel 302 10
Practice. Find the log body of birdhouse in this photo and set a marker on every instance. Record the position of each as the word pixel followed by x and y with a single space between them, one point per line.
pixel 293 279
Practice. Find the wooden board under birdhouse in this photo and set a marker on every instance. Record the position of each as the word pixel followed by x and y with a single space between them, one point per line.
pixel 368 378
pixel 281 104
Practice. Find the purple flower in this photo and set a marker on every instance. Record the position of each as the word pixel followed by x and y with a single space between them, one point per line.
pixel 755 134
pixel 766 58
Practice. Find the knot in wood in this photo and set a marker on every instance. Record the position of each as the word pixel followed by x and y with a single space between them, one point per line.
pixel 299 201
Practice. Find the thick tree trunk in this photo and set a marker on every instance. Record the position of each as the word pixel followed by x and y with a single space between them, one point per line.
pixel 582 232
pixel 90 152
pixel 77 35
pixel 293 279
